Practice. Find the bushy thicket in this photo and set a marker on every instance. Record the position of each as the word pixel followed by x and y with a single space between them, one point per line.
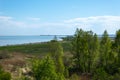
pixel 98 57
pixel 50 67
pixel 4 75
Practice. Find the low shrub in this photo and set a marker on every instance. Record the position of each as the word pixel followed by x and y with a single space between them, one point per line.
pixel 4 75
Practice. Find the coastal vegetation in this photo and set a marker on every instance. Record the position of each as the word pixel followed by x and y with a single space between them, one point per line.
pixel 83 56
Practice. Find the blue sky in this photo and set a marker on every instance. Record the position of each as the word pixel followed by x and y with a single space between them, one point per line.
pixel 39 17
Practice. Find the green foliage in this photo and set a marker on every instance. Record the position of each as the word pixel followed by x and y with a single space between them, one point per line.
pixel 77 49
pixel 35 49
pixel 74 77
pixel 38 48
pixel 56 52
pixel 68 38
pixel 4 75
pixel 108 56
pixel 116 46
pixel 85 50
pixel 99 58
pixel 117 39
pixel 60 76
pixel 25 78
pixel 105 49
pixel 44 69
pixel 100 74
pixel 66 73
pixel 116 77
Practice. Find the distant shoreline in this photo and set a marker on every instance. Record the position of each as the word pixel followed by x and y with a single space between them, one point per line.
pixel 24 44
pixel 51 35
pixel 14 41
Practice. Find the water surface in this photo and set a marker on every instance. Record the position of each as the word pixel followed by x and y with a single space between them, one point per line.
pixel 13 40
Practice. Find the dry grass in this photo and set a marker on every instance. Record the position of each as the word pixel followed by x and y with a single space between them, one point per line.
pixel 12 64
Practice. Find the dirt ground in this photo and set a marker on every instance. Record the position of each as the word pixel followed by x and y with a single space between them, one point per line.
pixel 14 63
pixel 18 61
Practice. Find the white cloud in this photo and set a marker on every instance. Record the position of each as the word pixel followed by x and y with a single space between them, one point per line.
pixel 7 21
pixel 5 18
pixel 94 19
pixel 34 18
pixel 95 23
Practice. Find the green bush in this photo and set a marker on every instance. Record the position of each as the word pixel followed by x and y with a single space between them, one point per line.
pixel 116 77
pixel 100 74
pixel 25 78
pixel 4 75
pixel 74 77
pixel 44 69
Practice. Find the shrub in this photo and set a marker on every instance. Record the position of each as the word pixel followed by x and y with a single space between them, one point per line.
pixel 44 69
pixel 4 75
pixel 100 74
pixel 74 77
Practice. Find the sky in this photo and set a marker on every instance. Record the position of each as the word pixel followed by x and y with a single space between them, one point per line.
pixel 58 17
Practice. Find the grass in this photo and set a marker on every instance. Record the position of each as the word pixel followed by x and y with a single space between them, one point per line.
pixel 37 48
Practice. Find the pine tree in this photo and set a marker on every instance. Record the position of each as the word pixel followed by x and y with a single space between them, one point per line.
pixel 105 49
pixel 116 46
pixel 77 49
pixel 84 50
pixel 56 52
pixel 117 39
pixel 94 52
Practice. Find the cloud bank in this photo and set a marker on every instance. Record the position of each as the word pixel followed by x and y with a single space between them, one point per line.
pixel 10 26
pixel 33 18
pixel 97 23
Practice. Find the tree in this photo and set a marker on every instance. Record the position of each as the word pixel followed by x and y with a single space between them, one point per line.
pixel 75 77
pixel 100 74
pixel 105 49
pixel 117 45
pixel 115 57
pixel 56 52
pixel 94 52
pixel 117 38
pixel 84 50
pixel 44 69
pixel 77 49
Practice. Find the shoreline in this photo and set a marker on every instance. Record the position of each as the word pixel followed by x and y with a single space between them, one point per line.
pixel 31 43
pixel 23 44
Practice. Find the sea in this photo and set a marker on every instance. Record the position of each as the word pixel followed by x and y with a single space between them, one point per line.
pixel 17 40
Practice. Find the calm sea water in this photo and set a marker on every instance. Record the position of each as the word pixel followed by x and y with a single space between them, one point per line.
pixel 13 40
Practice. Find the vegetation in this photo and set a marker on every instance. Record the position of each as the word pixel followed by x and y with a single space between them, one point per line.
pixel 4 54
pixel 85 50
pixel 56 52
pixel 4 75
pixel 100 58
pixel 44 69
pixel 37 48
pixel 83 56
